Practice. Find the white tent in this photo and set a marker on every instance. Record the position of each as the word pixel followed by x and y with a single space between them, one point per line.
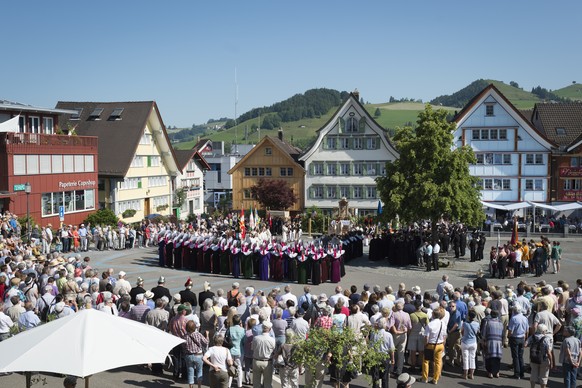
pixel 78 345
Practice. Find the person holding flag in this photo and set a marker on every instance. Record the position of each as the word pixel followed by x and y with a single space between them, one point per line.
pixel 243 233
pixel 252 220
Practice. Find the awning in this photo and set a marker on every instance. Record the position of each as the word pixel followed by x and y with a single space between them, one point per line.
pixel 521 205
pixel 543 206
pixel 493 205
pixel 518 205
pixel 508 207
pixel 568 206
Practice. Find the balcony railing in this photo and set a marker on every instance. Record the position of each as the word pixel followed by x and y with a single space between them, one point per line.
pixel 12 140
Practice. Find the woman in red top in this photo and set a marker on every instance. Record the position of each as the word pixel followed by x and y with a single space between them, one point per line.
pixel 76 238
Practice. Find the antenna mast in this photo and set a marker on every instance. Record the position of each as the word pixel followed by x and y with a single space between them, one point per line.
pixel 235 106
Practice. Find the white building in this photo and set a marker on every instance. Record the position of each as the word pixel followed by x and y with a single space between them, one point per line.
pixel 190 180
pixel 350 152
pixel 513 157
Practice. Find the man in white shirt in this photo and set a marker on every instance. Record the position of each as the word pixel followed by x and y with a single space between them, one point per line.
pixel 300 326
pixel 442 285
pixel 436 249
pixel 5 324
pixel 357 319
pixel 288 296
pixel 428 257
pixel 122 283
pixel 337 296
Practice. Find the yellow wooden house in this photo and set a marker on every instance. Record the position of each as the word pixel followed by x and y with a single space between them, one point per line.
pixel 272 158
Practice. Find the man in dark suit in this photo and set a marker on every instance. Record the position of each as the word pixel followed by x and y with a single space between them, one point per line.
pixel 160 290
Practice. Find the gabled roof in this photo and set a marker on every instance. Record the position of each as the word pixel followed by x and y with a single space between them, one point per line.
pixel 518 115
pixel 183 157
pixel 328 126
pixel 567 116
pixel 118 138
pixel 201 144
pixel 285 148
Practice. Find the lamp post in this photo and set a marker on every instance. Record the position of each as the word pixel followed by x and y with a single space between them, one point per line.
pixel 27 190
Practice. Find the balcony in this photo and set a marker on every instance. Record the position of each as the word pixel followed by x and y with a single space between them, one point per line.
pixel 23 142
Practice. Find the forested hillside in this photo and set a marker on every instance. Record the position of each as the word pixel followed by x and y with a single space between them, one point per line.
pixel 313 103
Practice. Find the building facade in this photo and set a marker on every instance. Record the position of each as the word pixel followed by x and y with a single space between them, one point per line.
pixel 562 123
pixel 190 183
pixel 350 152
pixel 271 159
pixel 60 170
pixel 513 157
pixel 137 165
pixel 217 180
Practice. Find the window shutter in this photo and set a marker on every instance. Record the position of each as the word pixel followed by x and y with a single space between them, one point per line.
pixel 149 161
pixel 341 123
pixel 139 183
pixel 362 125
pixel 377 143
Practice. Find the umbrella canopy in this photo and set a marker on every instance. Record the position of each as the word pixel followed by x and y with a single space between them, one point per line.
pixel 80 345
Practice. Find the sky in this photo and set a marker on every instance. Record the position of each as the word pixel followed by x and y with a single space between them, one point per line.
pixel 202 60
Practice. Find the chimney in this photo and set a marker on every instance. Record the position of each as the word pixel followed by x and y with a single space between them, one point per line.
pixel 280 134
pixel 356 94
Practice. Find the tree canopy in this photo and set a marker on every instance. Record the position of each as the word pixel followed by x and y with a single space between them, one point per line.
pixel 431 178
pixel 273 194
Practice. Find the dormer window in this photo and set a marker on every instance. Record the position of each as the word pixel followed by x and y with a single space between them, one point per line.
pixel 76 116
pixel 116 114
pixel 95 114
pixel 489 110
pixel 560 131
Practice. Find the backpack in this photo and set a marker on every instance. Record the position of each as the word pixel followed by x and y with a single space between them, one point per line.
pixel 233 300
pixel 538 351
pixel 45 311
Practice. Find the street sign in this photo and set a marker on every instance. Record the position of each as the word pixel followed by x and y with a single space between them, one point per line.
pixel 61 213
pixel 21 187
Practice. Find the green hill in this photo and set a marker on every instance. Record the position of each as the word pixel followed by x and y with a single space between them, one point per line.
pixel 518 97
pixel 302 133
pixel 573 92
pixel 316 107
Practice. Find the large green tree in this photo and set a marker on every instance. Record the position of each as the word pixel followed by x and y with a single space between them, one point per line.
pixel 431 178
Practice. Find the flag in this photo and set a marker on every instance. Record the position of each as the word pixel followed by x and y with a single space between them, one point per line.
pixel 252 220
pixel 270 221
pixel 257 219
pixel 11 125
pixel 514 236
pixel 379 207
pixel 243 232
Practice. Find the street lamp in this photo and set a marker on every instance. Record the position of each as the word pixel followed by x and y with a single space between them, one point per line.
pixel 27 190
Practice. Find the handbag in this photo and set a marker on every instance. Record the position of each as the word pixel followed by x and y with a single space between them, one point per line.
pixel 227 340
pixel 429 353
pixel 232 371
